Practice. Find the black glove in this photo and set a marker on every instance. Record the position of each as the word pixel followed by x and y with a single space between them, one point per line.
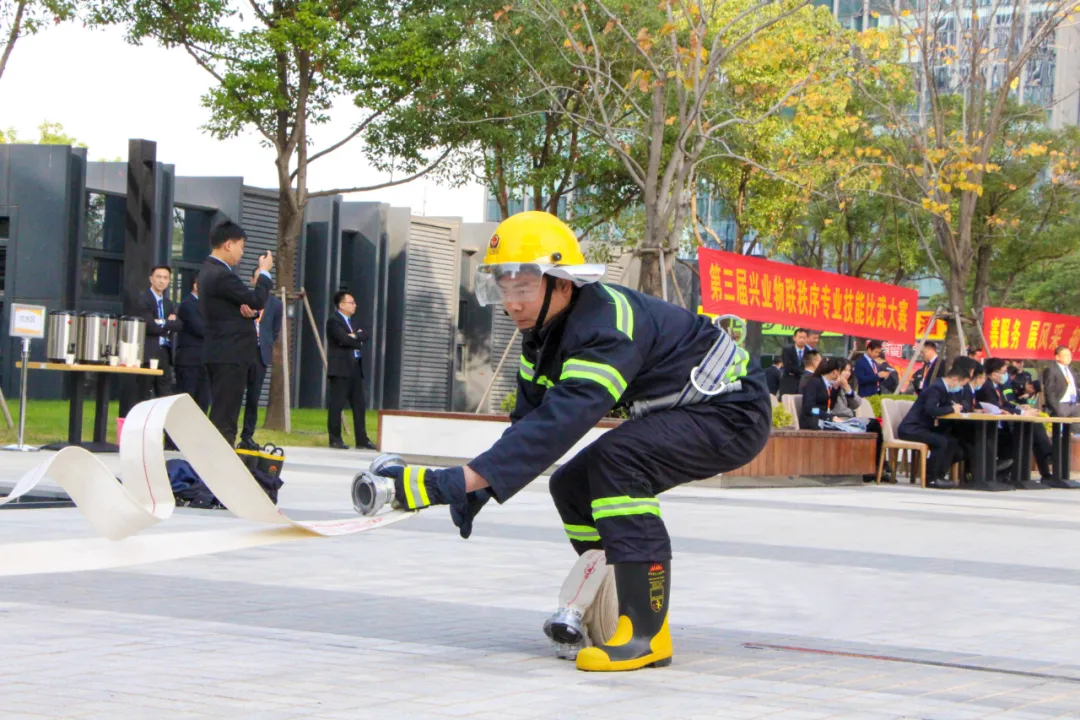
pixel 463 517
pixel 416 488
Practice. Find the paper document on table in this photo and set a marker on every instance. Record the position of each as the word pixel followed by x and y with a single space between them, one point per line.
pixel 990 408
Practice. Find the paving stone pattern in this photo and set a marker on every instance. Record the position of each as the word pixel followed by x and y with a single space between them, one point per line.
pixel 865 603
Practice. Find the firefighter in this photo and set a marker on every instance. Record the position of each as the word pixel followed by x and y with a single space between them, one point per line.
pixel 588 347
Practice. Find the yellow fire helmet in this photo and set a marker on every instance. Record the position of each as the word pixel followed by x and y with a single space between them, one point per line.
pixel 524 248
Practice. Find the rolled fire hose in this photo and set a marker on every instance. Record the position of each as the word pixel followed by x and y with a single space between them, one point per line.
pixel 145 497
pixel 588 596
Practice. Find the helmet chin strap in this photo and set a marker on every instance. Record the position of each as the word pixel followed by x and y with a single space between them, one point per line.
pixel 549 289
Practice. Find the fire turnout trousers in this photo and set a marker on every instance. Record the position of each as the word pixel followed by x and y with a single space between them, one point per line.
pixel 606 494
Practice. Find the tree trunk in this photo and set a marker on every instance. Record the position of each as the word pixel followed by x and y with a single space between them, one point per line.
pixel 289 225
pixel 958 279
pixel 982 277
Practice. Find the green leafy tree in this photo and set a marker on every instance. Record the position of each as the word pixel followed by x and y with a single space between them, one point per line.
pixel 1027 247
pixel 775 166
pixel 511 136
pixel 656 93
pixel 278 67
pixel 940 134
pixel 49 133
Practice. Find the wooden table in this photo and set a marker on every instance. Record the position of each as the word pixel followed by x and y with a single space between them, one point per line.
pixel 1020 476
pixel 75 406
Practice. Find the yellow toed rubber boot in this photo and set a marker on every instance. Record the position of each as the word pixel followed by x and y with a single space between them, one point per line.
pixel 642 638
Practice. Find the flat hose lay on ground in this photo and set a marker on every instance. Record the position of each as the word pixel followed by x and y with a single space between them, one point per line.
pixel 145 497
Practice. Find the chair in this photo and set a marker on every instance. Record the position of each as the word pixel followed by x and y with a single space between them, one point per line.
pixel 865 410
pixel 793 404
pixel 892 414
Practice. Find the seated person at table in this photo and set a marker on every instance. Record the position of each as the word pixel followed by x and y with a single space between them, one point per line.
pixel 849 401
pixel 819 395
pixel 920 425
pixel 997 391
pixel 822 399
pixel 846 405
pixel 1029 394
pixel 811 360
pixel 967 433
pixel 868 372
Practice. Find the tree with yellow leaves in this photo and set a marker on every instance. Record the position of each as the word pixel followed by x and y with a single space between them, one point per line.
pixel 660 93
pixel 971 59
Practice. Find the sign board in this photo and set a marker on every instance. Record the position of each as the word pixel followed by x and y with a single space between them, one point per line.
pixel 922 318
pixel 758 289
pixel 27 321
pixel 1029 334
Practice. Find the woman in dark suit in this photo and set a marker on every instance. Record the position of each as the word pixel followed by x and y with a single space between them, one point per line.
pixel 823 397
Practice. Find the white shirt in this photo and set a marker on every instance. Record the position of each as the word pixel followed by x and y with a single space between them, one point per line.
pixel 161 313
pixel 355 353
pixel 1070 391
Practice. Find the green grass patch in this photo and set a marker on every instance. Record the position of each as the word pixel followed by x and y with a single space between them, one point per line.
pixel 47 422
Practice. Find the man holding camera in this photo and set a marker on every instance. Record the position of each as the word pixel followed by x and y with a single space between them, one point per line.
pixel 228 307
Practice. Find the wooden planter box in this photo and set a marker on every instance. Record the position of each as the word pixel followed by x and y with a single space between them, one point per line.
pixel 455 438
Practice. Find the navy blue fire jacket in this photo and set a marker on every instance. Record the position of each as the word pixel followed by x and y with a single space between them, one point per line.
pixel 611 346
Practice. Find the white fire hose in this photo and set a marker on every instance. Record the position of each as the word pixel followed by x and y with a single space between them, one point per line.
pixel 145 498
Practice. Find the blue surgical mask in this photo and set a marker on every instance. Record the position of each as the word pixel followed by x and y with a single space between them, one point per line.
pixel 955 389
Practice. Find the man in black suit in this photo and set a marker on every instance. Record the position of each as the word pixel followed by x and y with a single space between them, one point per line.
pixel 191 377
pixel 159 314
pixel 773 373
pixel 997 391
pixel 936 400
pixel 267 329
pixel 793 363
pixel 228 308
pixel 1059 386
pixel 345 371
pixel 931 368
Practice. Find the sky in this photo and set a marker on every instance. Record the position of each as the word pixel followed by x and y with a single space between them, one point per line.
pixel 79 78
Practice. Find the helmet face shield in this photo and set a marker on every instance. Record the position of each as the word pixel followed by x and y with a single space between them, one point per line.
pixel 509 283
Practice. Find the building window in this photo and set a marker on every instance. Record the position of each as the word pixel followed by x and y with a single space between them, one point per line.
pixel 189 244
pixel 102 271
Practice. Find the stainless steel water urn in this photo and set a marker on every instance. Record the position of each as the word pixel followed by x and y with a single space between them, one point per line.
pixel 112 337
pixel 61 335
pixel 94 332
pixel 132 340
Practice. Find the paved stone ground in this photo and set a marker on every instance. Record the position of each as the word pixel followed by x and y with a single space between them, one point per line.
pixel 869 603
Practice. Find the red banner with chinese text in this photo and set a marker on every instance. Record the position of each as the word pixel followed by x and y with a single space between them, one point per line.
pixel 1029 334
pixel 767 291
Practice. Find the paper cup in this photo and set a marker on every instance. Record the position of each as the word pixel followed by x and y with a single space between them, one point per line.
pixel 153 364
pixel 114 360
pixel 70 359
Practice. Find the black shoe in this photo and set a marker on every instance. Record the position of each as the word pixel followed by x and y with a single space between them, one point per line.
pixel 940 483
pixel 642 638
pixel 337 444
pixel 366 445
pixel 248 444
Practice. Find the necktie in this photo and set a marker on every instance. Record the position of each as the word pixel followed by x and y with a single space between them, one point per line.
pixel 161 316
pixel 355 353
pixel 1072 386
